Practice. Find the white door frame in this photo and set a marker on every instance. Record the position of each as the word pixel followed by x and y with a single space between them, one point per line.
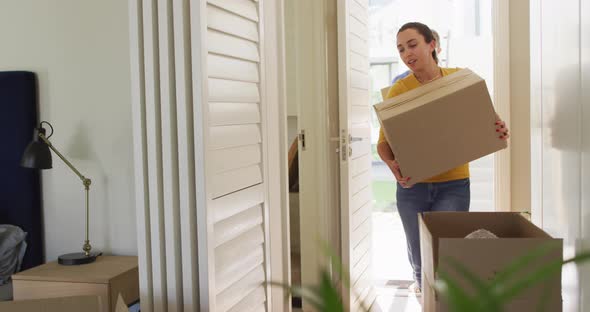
pixel 501 96
pixel 317 101
pixel 315 84
pixel 276 173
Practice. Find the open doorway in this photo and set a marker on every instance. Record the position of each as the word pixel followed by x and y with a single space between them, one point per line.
pixel 466 39
pixel 312 67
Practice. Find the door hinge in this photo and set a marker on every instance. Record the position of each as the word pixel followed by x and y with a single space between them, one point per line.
pixel 301 136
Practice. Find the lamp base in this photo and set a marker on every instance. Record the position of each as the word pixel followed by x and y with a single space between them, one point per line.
pixel 77 258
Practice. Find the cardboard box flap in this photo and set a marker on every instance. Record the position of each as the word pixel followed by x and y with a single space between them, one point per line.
pixel 454 76
pixel 428 248
pixel 459 224
pixel 425 93
pixel 384 92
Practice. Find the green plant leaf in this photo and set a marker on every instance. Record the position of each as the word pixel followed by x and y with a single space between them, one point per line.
pixel 539 275
pixel 329 294
pixel 494 295
pixel 336 263
pixel 544 298
pixel 326 297
pixel 521 263
pixel 485 294
pixel 457 299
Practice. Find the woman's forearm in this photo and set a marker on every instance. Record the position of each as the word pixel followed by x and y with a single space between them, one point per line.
pixel 385 152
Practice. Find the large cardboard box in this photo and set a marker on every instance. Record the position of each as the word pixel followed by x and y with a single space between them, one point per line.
pixel 440 125
pixel 442 236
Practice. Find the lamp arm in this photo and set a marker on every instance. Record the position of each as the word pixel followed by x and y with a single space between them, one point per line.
pixel 85 180
pixel 86 247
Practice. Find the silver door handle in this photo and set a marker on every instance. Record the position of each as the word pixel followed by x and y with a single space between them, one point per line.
pixel 355 139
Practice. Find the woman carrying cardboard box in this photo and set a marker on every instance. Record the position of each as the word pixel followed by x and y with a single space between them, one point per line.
pixel 449 191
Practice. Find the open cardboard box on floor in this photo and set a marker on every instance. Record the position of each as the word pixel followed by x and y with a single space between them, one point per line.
pixel 442 237
pixel 440 125
pixel 63 304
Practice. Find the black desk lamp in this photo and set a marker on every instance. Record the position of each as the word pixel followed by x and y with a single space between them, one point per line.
pixel 38 156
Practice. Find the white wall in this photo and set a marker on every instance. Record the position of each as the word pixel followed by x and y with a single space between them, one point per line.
pixel 80 52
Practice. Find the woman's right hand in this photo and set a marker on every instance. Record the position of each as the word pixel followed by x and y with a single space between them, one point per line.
pixel 394 167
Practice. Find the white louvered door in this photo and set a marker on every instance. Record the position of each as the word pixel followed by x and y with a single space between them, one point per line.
pixel 203 154
pixel 355 149
pixel 234 157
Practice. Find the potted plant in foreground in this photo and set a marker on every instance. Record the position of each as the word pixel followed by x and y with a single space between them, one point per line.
pixel 490 296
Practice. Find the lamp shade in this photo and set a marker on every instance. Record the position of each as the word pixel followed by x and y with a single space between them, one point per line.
pixel 37 154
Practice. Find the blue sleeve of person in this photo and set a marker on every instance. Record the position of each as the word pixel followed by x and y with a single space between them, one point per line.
pixel 401 76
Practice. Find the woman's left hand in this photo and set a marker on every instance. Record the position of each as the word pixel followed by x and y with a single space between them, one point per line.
pixel 501 129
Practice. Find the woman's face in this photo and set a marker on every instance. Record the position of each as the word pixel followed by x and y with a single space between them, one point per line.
pixel 414 51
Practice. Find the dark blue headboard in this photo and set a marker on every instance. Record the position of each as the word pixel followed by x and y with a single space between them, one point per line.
pixel 20 188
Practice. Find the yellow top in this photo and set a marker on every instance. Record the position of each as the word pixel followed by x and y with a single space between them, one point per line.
pixel 406 84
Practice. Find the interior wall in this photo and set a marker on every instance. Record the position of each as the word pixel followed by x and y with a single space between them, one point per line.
pixel 80 52
pixel 560 132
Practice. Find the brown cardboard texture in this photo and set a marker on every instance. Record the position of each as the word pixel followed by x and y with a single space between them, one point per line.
pixel 439 306
pixel 442 238
pixel 62 304
pixel 440 125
